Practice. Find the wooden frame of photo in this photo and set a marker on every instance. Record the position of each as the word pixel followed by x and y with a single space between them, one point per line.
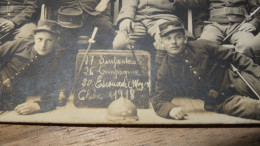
pixel 128 76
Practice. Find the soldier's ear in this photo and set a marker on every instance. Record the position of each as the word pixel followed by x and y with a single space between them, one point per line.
pixel 186 40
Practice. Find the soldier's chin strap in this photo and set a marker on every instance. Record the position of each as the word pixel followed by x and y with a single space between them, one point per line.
pixel 234 69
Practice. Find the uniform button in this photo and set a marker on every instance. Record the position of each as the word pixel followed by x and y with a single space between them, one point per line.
pixel 195 72
pixel 222 93
pixel 16 74
pixel 8 3
pixel 8 14
pixel 199 78
pixel 190 66
pixel 12 78
pixel 187 61
pixel 31 60
pixel 28 64
pixel 23 68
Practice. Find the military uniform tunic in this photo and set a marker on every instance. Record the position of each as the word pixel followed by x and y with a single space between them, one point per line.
pixel 21 13
pixel 24 73
pixel 203 70
pixel 147 15
pixel 225 16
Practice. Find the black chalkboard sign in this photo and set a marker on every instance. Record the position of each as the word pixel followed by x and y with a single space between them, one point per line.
pixel 110 74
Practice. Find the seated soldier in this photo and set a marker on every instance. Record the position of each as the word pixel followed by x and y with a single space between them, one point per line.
pixel 139 18
pixel 202 69
pixel 29 70
pixel 226 16
pixel 16 19
pixel 96 13
pixel 75 32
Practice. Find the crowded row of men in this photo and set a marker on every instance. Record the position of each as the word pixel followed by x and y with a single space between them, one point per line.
pixel 39 61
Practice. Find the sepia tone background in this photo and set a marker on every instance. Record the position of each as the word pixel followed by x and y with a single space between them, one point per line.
pixel 20 134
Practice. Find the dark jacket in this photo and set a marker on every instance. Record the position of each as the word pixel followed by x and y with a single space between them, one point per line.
pixel 202 70
pixel 24 73
pixel 18 11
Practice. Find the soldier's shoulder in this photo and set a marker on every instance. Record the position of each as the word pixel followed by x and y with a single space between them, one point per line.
pixel 202 43
pixel 22 43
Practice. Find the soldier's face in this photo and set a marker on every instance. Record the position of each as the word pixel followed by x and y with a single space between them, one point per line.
pixel 44 42
pixel 174 42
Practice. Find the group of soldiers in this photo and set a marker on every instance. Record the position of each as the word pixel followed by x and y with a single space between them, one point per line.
pixel 38 61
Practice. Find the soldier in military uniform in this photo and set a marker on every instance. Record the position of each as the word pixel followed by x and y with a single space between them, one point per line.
pixel 202 69
pixel 225 16
pixel 29 69
pixel 140 18
pixel 96 13
pixel 16 19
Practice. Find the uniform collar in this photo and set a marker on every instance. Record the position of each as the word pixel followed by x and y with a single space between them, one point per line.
pixel 184 54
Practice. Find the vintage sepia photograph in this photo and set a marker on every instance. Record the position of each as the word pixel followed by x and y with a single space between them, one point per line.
pixel 130 61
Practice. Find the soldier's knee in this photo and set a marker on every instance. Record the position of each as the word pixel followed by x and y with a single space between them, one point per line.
pixel 26 31
pixel 120 42
pixel 244 48
pixel 242 106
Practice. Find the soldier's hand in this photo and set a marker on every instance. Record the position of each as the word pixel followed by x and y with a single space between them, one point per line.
pixel 102 6
pixel 247 27
pixel 126 25
pixel 27 108
pixel 6 26
pixel 177 113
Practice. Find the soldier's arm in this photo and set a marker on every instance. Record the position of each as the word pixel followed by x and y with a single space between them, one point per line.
pixel 9 48
pixel 102 6
pixel 128 10
pixel 162 100
pixel 26 14
pixel 229 56
pixel 48 102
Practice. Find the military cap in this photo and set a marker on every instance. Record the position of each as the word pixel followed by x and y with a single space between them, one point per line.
pixel 49 26
pixel 70 17
pixel 168 27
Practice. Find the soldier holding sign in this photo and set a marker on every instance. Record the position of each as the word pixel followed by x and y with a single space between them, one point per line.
pixel 202 69
pixel 29 70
